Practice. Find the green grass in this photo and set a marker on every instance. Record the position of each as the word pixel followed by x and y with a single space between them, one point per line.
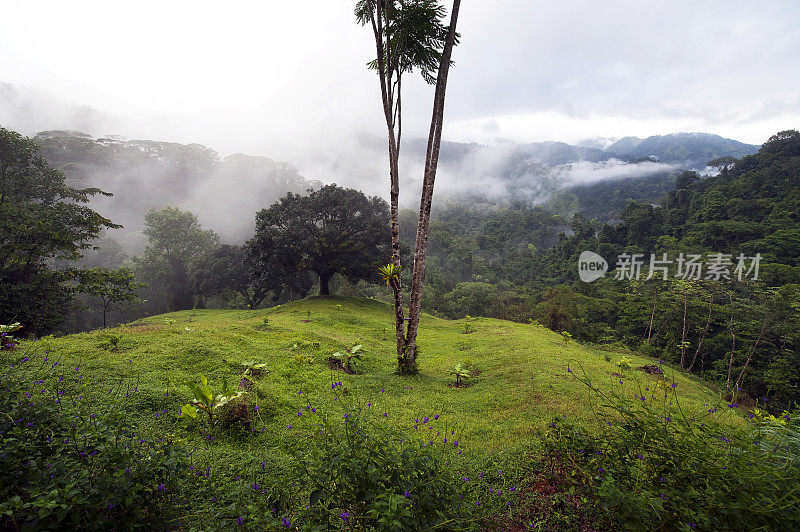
pixel 527 373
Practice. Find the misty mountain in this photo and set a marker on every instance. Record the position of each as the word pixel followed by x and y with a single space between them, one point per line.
pixel 597 175
pixel 224 193
pixel 690 150
pixel 29 110
pixel 599 143
pixel 542 172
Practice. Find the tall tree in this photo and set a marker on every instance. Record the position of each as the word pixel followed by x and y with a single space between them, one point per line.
pixel 409 34
pixel 175 240
pixel 42 221
pixel 332 230
pixel 116 289
pixel 231 268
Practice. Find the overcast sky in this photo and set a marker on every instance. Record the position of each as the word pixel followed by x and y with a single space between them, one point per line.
pixel 281 78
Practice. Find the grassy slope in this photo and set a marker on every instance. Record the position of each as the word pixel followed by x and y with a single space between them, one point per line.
pixel 523 383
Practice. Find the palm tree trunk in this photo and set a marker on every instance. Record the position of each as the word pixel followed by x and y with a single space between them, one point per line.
pixel 431 163
pixel 733 345
pixel 683 335
pixel 385 72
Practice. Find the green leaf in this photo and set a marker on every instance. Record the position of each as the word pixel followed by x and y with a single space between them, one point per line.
pixel 188 411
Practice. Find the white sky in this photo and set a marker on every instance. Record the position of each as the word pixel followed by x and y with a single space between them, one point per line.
pixel 274 78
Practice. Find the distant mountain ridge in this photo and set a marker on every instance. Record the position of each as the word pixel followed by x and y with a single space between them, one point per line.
pixel 189 174
pixel 690 150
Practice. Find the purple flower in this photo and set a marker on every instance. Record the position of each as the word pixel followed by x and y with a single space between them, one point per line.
pixel 344 516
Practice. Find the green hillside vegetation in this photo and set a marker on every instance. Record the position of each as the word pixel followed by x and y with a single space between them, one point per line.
pixel 692 149
pixel 521 379
pixel 543 432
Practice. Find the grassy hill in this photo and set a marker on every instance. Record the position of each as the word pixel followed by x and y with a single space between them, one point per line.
pixel 526 374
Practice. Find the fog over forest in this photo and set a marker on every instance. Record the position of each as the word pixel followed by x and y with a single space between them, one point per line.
pixel 400 265
pixel 226 190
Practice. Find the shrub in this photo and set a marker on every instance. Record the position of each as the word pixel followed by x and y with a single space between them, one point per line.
pixel 207 400
pixel 6 340
pixel 566 336
pixel 110 341
pixel 624 363
pixel 350 360
pixel 461 372
pixel 70 461
pixel 361 473
pixel 656 465
pixel 253 368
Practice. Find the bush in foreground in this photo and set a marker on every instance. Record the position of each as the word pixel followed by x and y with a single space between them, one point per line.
pixel 658 465
pixel 71 459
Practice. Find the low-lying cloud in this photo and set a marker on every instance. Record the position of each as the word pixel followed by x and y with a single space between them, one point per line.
pixel 585 173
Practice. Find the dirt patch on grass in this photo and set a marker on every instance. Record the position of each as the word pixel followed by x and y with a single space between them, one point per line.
pixel 651 369
pixel 337 365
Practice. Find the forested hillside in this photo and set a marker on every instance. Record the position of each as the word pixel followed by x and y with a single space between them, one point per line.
pixel 692 150
pixel 488 256
pixel 143 174
pixel 732 330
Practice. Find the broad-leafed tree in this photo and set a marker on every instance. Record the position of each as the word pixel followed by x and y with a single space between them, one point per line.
pixel 175 240
pixel 331 230
pixel 42 222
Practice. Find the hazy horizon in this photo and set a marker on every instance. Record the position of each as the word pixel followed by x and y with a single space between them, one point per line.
pixel 290 83
pixel 250 77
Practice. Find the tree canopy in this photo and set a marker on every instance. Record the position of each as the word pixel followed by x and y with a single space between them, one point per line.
pixel 175 240
pixel 331 230
pixel 229 268
pixel 42 220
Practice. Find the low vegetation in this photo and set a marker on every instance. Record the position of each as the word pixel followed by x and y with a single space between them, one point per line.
pixel 96 434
